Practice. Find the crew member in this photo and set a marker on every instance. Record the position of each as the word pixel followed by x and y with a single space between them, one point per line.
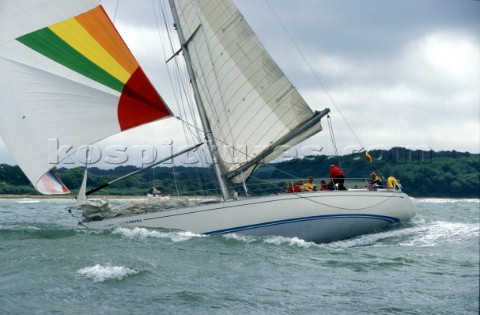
pixel 392 183
pixel 375 180
pixel 324 185
pixel 309 185
pixel 337 177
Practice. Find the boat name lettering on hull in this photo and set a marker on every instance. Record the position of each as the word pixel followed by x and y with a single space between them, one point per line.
pixel 131 222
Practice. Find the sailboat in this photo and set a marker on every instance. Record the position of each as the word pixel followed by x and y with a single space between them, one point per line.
pixel 69 80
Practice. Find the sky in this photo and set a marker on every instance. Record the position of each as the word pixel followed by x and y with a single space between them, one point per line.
pixel 394 73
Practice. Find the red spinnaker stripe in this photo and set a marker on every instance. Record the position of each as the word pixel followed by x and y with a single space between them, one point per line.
pixel 140 103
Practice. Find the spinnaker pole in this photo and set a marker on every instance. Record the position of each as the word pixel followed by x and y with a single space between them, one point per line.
pixel 91 191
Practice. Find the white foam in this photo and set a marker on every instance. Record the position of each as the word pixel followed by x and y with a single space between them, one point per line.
pixel 364 240
pixel 33 228
pixel 441 232
pixel 101 273
pixel 273 240
pixel 142 233
pixel 28 201
pixel 447 200
pixel 241 238
pixel 295 241
pixel 423 235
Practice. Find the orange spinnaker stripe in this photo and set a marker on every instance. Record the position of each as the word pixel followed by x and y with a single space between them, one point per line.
pixel 97 23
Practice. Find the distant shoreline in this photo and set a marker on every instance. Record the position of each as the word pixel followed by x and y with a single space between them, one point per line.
pixel 66 197
pixel 10 196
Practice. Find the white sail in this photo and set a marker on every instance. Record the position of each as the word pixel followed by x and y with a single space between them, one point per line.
pixel 251 105
pixel 82 196
pixel 67 80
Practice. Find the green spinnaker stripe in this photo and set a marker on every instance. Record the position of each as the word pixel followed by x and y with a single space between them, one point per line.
pixel 50 45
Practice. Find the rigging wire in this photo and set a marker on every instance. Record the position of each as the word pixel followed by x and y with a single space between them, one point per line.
pixel 175 178
pixel 210 91
pixel 179 88
pixel 332 135
pixel 116 10
pixel 183 94
pixel 314 73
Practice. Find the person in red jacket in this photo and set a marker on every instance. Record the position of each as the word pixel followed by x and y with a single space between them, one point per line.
pixel 293 188
pixel 337 177
pixel 324 185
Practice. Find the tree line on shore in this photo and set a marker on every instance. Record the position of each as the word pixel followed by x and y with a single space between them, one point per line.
pixel 422 174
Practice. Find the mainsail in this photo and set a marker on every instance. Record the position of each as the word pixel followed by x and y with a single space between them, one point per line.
pixel 252 107
pixel 67 80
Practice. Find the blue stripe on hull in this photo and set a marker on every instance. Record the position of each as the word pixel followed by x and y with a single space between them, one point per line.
pixel 322 228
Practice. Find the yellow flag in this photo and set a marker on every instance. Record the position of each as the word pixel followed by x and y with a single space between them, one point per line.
pixel 369 157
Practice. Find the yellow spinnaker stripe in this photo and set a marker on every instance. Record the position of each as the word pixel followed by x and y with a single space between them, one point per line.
pixel 75 35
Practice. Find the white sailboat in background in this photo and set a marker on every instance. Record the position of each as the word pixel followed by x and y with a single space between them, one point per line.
pixel 67 75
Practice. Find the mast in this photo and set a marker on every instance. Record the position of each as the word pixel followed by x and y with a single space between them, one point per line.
pixel 212 147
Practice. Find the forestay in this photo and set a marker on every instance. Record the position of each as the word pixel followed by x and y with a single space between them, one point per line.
pixel 67 80
pixel 251 106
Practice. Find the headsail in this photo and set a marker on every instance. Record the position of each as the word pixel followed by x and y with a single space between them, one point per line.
pixel 251 105
pixel 67 80
pixel 82 193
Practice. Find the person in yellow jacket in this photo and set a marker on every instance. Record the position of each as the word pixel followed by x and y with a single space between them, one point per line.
pixel 309 185
pixel 392 183
pixel 375 181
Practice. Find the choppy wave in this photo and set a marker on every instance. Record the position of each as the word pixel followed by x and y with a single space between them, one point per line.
pixel 272 240
pixel 441 232
pixel 422 234
pixel 447 200
pixel 25 232
pixel 138 270
pixel 181 236
pixel 240 238
pixel 294 241
pixel 101 273
pixel 425 235
pixel 28 201
pixel 142 233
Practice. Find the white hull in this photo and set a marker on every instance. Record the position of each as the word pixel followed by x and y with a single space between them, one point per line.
pixel 318 217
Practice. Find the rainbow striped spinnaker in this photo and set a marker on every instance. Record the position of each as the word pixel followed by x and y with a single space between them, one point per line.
pixel 67 77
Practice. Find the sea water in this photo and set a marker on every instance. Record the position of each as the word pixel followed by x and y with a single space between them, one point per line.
pixel 50 265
